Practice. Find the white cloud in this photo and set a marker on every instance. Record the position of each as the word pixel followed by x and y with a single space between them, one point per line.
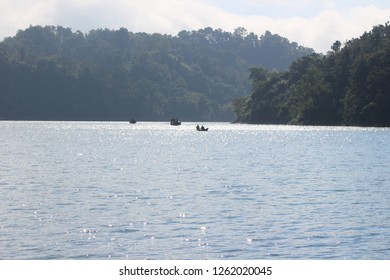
pixel 19 14
pixel 315 24
pixel 321 31
pixel 151 16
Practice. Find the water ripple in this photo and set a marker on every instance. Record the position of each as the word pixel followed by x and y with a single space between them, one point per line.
pixel 74 190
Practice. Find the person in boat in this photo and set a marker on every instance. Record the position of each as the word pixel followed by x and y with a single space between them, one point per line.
pixel 202 128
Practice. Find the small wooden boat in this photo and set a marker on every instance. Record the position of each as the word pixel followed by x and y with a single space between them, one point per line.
pixel 175 122
pixel 201 128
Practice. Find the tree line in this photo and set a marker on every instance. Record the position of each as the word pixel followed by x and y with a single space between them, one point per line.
pixel 55 73
pixel 350 85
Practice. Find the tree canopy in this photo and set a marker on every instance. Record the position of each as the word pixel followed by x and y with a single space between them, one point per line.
pixel 348 86
pixel 54 73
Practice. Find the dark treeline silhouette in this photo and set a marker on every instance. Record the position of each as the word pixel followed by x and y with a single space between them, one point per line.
pixel 54 73
pixel 348 86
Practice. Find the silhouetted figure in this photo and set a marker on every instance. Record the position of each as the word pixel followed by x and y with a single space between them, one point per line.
pixel 201 128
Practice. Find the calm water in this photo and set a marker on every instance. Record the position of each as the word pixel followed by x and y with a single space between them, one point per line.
pixel 90 190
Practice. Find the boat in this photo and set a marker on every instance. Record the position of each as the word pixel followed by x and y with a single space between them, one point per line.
pixel 132 121
pixel 175 122
pixel 202 128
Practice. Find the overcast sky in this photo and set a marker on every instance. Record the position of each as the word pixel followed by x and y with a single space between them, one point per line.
pixel 315 24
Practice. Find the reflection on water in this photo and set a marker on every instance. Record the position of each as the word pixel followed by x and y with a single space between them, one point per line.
pixel 79 190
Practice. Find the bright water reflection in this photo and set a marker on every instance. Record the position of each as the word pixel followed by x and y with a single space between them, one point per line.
pixel 82 190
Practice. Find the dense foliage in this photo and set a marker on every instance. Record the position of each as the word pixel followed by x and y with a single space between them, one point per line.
pixel 55 73
pixel 348 86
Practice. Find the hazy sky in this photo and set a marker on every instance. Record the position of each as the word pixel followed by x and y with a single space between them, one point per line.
pixel 315 24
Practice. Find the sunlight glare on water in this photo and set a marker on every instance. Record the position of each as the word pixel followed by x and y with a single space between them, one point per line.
pixel 99 190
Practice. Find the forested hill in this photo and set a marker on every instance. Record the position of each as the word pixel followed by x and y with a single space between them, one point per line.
pixel 348 86
pixel 54 73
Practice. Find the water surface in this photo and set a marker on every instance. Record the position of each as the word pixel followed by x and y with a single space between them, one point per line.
pixel 99 190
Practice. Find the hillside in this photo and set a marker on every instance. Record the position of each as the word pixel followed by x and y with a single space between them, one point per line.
pixel 54 73
pixel 348 86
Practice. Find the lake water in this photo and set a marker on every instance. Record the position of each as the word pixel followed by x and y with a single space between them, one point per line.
pixel 100 190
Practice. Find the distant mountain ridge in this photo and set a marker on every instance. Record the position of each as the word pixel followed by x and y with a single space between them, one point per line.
pixel 54 73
